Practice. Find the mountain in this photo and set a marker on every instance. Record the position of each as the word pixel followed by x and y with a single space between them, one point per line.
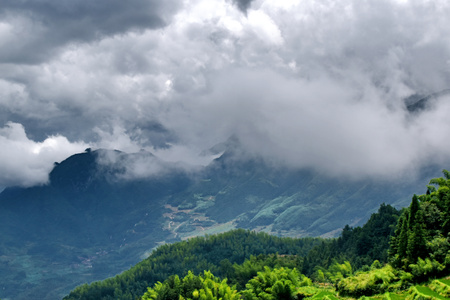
pixel 84 225
pixel 104 211
pixel 417 103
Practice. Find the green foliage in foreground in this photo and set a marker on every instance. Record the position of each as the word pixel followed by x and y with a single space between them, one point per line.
pixel 270 284
pixel 421 243
pixel 216 253
pixel 202 287
pixel 420 250
pixel 388 279
pixel 275 284
pixel 289 284
pixel 376 281
pixel 241 274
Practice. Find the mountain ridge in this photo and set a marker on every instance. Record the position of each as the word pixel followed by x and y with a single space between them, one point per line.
pixel 92 221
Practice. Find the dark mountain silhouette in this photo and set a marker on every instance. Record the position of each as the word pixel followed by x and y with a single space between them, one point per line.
pixel 418 103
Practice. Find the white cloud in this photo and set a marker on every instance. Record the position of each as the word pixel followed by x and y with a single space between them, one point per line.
pixel 117 139
pixel 25 162
pixel 265 28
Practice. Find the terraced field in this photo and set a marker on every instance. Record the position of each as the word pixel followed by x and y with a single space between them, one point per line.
pixel 423 292
pixel 441 286
pixel 394 296
pixel 438 289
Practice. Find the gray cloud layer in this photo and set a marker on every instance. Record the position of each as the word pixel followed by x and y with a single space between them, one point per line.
pixel 35 29
pixel 243 5
pixel 309 83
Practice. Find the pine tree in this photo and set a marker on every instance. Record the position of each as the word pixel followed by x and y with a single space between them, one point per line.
pixel 416 240
pixel 395 239
pixel 403 238
pixel 414 207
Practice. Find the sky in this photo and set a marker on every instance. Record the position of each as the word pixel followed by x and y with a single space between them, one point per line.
pixel 315 84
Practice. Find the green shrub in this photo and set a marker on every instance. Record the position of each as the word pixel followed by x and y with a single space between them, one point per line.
pixel 337 271
pixel 376 281
pixel 193 287
pixel 275 284
pixel 424 269
pixel 308 292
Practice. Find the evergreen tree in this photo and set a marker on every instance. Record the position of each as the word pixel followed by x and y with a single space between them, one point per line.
pixel 395 239
pixel 403 238
pixel 413 208
pixel 416 240
pixel 420 245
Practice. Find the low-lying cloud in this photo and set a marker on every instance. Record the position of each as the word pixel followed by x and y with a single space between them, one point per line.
pixel 145 165
pixel 301 83
pixel 26 162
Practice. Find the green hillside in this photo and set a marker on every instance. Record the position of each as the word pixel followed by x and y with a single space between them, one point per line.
pixel 238 255
pixel 414 251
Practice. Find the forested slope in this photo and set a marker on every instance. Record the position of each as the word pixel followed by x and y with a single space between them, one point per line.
pixel 385 256
pixel 216 253
pixel 223 255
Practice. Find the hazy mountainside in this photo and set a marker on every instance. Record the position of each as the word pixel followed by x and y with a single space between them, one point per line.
pixel 93 220
pixel 289 202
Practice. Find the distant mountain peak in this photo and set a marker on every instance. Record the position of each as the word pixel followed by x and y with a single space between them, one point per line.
pixel 231 144
pixel 76 168
pixel 417 103
pixel 99 164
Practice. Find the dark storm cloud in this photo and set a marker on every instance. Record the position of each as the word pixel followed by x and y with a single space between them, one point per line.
pixel 243 5
pixel 303 83
pixel 35 29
